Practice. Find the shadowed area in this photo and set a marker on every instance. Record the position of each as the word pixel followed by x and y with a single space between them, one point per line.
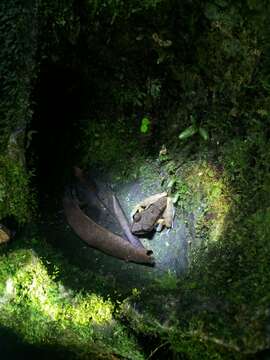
pixel 13 348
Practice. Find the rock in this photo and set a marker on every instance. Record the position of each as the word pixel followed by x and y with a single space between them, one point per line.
pixel 5 234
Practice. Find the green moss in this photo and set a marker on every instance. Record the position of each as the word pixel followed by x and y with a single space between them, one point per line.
pixel 211 194
pixel 198 187
pixel 18 22
pixel 195 347
pixel 110 145
pixel 18 36
pixel 44 311
pixel 168 281
pixel 218 310
pixel 215 68
pixel 16 197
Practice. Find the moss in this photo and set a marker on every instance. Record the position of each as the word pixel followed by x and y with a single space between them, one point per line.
pixel 222 304
pixel 168 281
pixel 199 187
pixel 211 196
pixel 18 21
pixel 111 145
pixel 194 347
pixel 16 197
pixel 45 312
pixel 219 308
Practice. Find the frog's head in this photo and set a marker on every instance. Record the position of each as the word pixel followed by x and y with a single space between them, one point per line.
pixel 137 225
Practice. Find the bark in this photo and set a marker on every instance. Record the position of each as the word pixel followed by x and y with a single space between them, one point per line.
pixel 102 239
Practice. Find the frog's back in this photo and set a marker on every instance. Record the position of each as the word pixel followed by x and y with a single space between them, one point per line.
pixel 146 220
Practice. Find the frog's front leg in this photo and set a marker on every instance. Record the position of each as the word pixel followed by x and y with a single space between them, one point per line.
pixel 135 214
pixel 160 224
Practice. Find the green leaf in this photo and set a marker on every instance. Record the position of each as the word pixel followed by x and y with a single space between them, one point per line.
pixel 145 125
pixel 188 132
pixel 203 133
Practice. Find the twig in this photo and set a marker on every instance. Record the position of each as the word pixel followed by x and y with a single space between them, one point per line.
pixel 156 349
pixel 217 341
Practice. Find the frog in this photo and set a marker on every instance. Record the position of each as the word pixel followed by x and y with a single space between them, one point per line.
pixel 154 212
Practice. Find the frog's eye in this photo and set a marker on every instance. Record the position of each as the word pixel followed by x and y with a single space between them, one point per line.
pixel 137 217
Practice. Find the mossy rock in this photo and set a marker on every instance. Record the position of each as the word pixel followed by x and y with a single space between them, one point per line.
pixel 16 198
pixel 39 308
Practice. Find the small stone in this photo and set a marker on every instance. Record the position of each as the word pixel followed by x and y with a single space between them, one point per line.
pixel 5 234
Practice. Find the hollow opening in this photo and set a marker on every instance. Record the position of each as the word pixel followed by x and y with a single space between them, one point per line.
pixel 54 129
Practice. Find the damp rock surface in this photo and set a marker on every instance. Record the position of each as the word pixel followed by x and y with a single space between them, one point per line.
pixel 169 246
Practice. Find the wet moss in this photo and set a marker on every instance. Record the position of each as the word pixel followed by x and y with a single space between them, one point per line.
pixel 211 198
pixel 45 312
pixel 16 197
pixel 110 145
pixel 218 308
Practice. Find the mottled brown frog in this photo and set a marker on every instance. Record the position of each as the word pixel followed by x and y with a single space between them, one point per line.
pixel 155 211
